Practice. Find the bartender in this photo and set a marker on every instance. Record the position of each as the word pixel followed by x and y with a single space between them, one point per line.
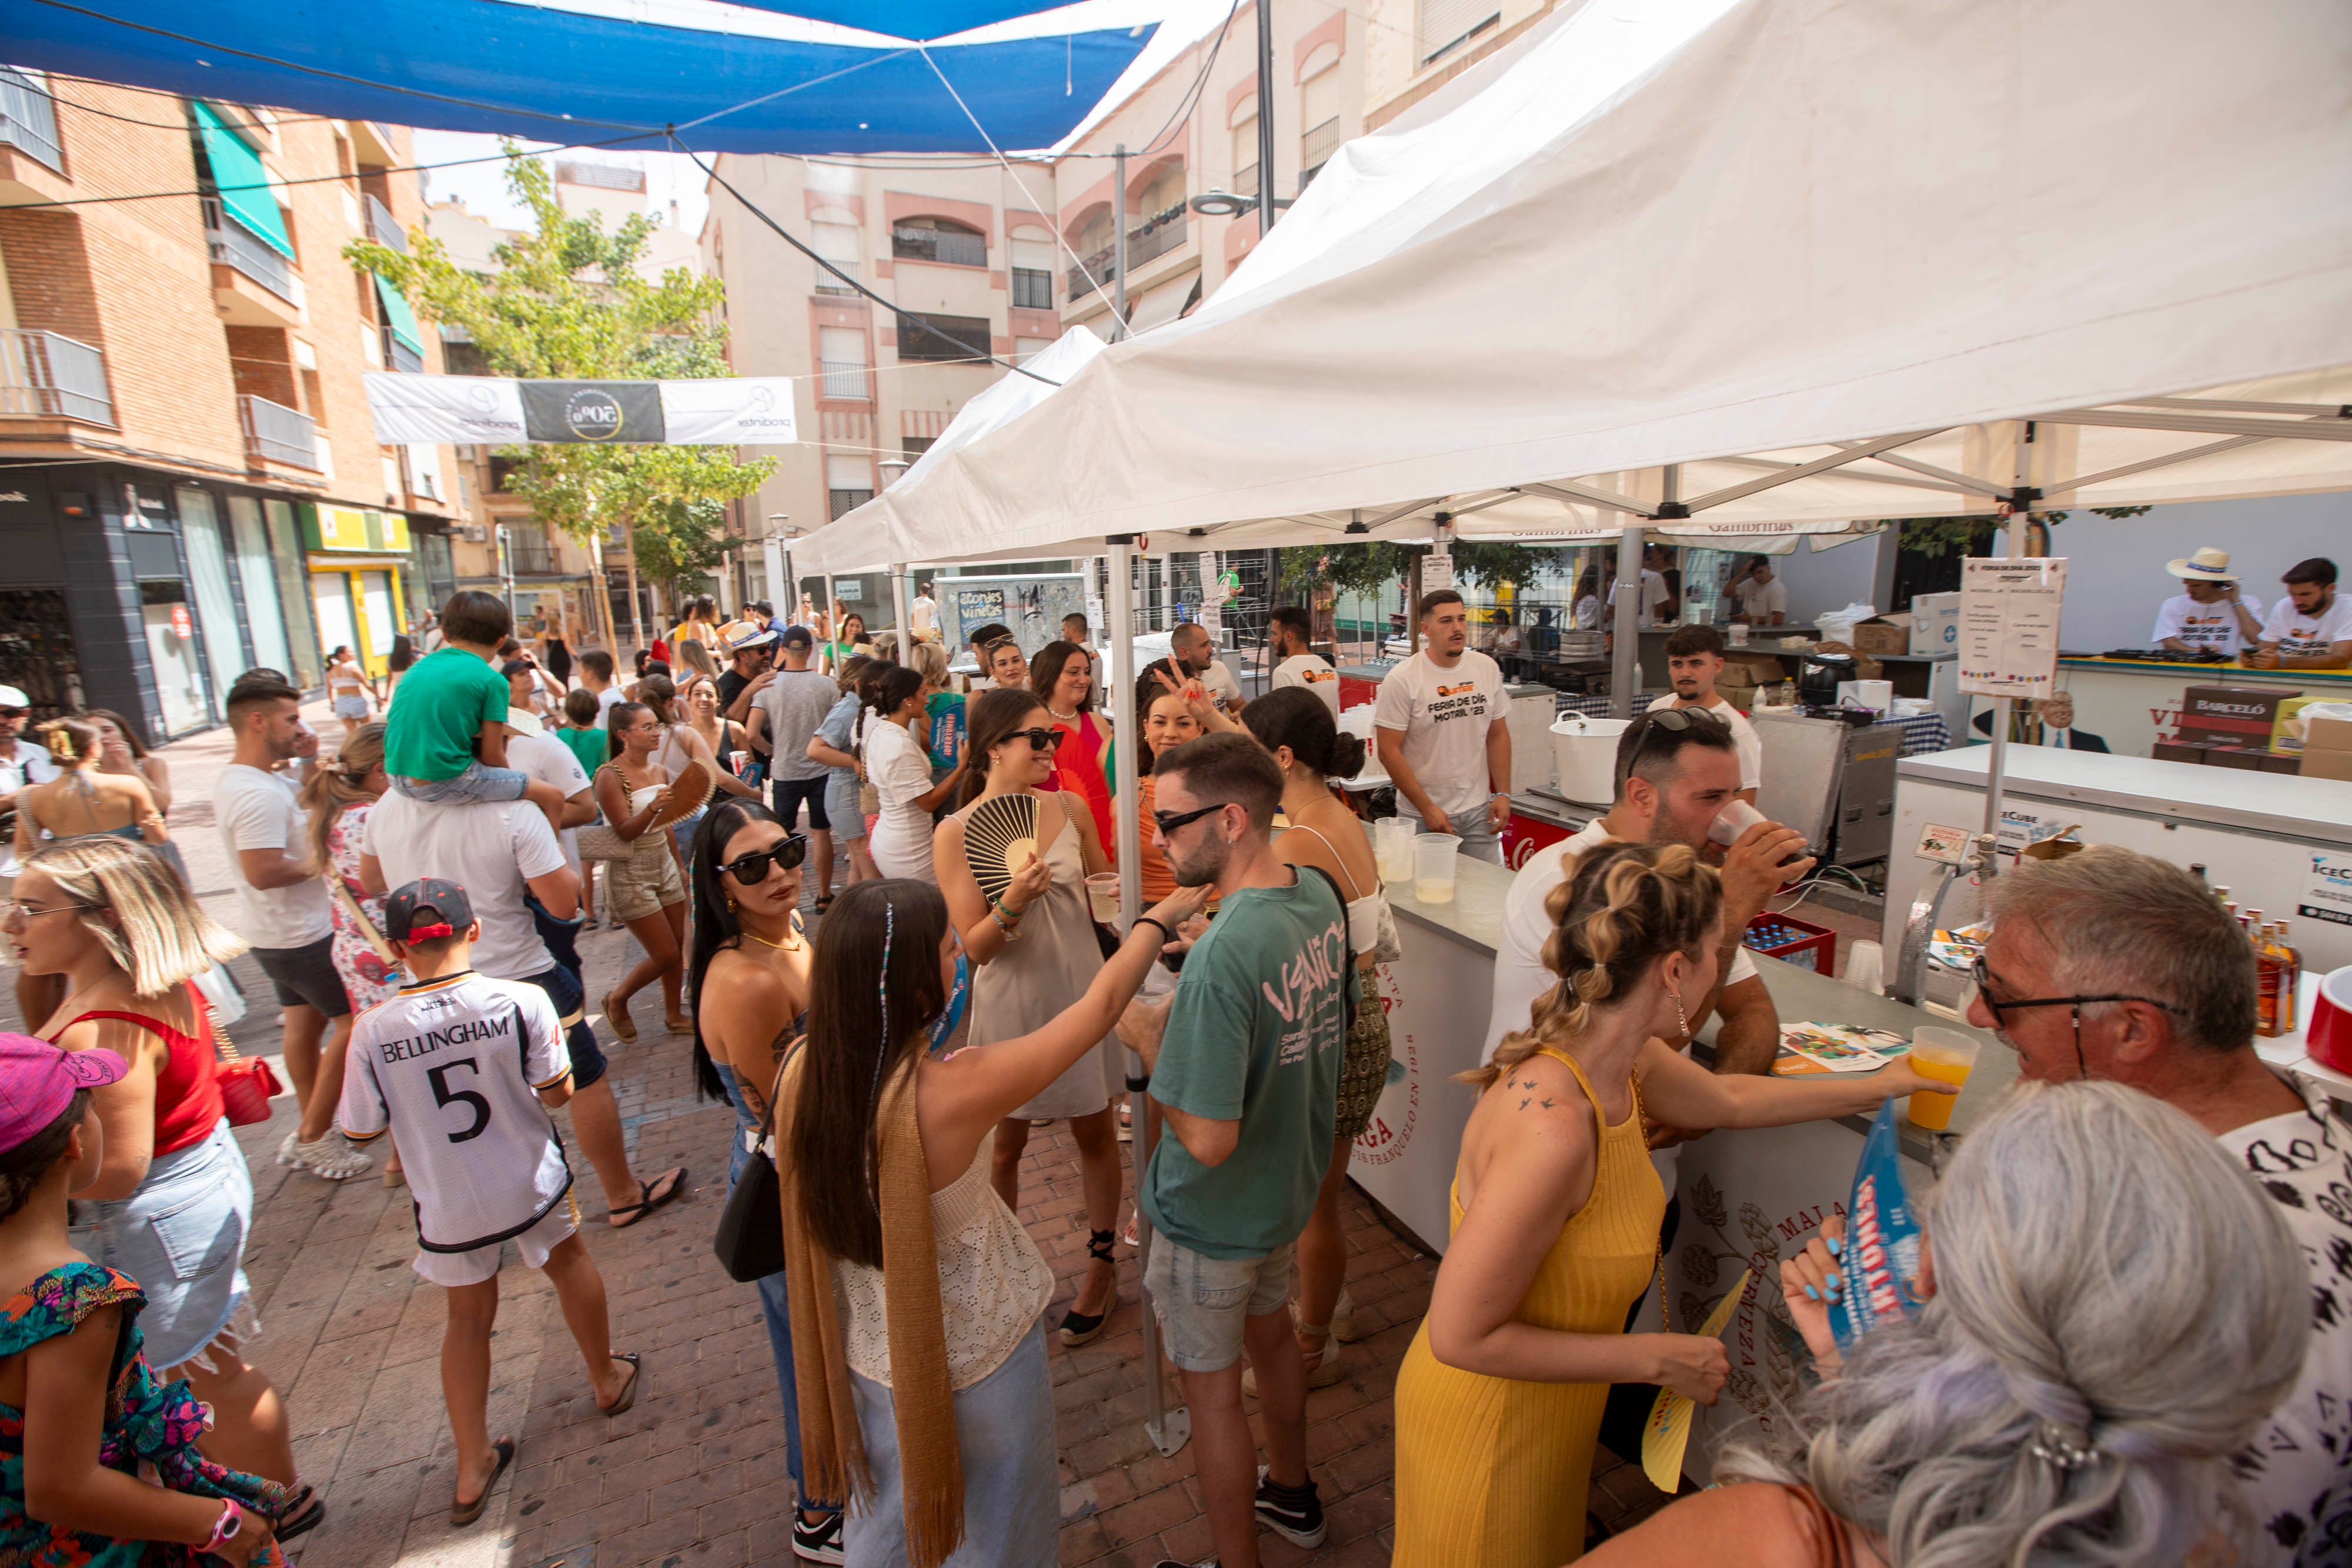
pixel 1763 601
pixel 2211 614
pixel 1694 660
pixel 2311 627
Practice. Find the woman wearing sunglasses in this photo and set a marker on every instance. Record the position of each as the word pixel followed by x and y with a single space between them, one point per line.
pixel 750 980
pixel 1036 951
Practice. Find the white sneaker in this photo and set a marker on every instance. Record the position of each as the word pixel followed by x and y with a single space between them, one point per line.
pixel 331 1158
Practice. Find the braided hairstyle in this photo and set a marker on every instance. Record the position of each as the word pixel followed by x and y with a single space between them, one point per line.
pixel 1624 908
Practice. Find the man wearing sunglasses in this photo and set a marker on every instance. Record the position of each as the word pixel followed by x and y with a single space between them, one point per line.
pixel 2114 965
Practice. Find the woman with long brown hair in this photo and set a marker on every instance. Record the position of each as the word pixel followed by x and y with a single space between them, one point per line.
pixel 1062 676
pixel 931 1404
pixel 1035 947
pixel 646 892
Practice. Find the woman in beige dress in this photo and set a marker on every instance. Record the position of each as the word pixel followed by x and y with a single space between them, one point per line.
pixel 1035 953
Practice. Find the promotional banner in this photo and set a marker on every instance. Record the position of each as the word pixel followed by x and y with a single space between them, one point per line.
pixel 427 411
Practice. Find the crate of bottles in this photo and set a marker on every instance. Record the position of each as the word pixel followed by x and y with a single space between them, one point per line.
pixel 1793 941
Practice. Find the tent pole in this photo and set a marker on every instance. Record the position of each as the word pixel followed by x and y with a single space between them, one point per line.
pixel 1265 199
pixel 898 611
pixel 2019 513
pixel 1626 614
pixel 1167 1429
pixel 1119 245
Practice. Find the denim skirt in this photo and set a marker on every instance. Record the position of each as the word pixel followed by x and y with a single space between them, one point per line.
pixel 182 1236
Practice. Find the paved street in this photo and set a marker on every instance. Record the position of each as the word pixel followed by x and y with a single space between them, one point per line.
pixel 693 1477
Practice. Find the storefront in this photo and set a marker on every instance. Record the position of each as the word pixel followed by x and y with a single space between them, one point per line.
pixel 359 562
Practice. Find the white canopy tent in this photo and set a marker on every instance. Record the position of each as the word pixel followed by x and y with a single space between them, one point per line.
pixel 1726 268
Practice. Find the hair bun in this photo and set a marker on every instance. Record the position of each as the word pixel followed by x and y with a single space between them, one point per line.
pixel 1346 755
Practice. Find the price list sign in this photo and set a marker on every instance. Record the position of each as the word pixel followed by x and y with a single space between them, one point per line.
pixel 2008 642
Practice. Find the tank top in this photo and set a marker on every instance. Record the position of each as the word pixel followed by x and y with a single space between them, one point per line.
pixel 187 1095
pixel 1371 924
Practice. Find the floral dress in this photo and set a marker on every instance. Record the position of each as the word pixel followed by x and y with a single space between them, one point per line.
pixel 149 1423
pixel 367 978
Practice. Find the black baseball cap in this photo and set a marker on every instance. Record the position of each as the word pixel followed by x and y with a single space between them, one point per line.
pixel 797 638
pixel 446 909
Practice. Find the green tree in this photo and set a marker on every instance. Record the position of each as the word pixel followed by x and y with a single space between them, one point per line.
pixel 569 302
pixel 1942 535
pixel 1371 566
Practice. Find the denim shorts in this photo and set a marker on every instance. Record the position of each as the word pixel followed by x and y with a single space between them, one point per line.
pixel 182 1236
pixel 1203 1301
pixel 476 783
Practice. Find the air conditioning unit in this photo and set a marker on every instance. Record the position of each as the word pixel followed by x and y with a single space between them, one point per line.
pixel 474 533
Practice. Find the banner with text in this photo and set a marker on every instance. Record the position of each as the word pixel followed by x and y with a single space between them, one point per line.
pixel 493 411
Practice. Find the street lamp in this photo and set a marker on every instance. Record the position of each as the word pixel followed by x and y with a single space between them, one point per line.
pixel 893 470
pixel 1226 204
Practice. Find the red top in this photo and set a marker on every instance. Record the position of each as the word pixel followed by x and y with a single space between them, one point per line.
pixel 187 1096
pixel 1078 768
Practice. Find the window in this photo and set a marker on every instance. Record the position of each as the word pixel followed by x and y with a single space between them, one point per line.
pixel 841 355
pixel 1447 25
pixel 28 117
pixel 838 244
pixel 1026 349
pixel 1319 117
pixel 848 484
pixel 1164 195
pixel 1245 157
pixel 1033 271
pixel 937 239
pixel 942 338
pixel 914 446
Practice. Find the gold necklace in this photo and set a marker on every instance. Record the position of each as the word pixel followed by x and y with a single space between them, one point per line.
pixel 779 947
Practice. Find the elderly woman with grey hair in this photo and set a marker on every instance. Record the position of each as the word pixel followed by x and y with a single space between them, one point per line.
pixel 2112 1308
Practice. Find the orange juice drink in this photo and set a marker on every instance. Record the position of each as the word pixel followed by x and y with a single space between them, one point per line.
pixel 1946 1055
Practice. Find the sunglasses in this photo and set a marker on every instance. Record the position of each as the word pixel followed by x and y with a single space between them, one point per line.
pixel 1039 739
pixel 752 869
pixel 1169 821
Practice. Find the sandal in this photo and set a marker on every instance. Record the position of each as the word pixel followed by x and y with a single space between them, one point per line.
pixel 463 1514
pixel 823 902
pixel 624 1028
pixel 678 1024
pixel 628 1390
pixel 1080 1328
pixel 646 1202
pixel 1323 1366
pixel 304 1513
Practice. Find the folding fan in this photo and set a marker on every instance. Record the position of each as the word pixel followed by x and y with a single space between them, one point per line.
pixel 1000 837
pixel 688 792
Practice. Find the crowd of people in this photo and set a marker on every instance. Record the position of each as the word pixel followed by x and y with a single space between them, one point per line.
pixel 2132 1349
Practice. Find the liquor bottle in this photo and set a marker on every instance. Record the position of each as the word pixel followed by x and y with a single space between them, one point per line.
pixel 2290 961
pixel 2270 981
pixel 2196 870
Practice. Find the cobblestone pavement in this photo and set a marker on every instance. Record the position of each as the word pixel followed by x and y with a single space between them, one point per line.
pixel 693 1477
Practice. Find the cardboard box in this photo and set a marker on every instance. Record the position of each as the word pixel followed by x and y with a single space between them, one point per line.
pixel 1934 623
pixel 2287 734
pixel 2173 751
pixel 2327 765
pixel 2282 762
pixel 2234 756
pixel 2229 716
pixel 1886 634
pixel 2327 735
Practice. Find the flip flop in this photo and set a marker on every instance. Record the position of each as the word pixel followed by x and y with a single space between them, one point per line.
pixel 303 1514
pixel 618 1021
pixel 646 1202
pixel 462 1513
pixel 628 1390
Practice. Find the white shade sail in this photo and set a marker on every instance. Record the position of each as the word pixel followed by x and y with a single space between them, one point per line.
pixel 1821 258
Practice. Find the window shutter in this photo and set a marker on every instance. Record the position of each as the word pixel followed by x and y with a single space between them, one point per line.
pixel 1318 101
pixel 848 473
pixel 841 345
pixel 1033 254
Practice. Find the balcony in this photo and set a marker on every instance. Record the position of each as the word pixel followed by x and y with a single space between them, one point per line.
pixel 1315 149
pixel 844 380
pixel 275 434
pixel 827 283
pixel 28 118
pixel 399 356
pixel 951 247
pixel 382 227
pixel 271 292
pixel 528 557
pixel 1152 239
pixel 47 375
pixel 1245 181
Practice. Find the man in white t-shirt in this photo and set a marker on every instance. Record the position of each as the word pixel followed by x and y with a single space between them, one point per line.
pixel 1442 728
pixel 1195 659
pixel 503 853
pixel 285 909
pixel 1763 599
pixel 596 674
pixel 1654 595
pixel 2153 936
pixel 1295 666
pixel 539 754
pixel 1672 784
pixel 2211 614
pixel 2311 627
pixel 1694 659
pixel 923 615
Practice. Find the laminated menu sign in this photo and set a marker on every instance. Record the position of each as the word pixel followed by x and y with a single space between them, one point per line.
pixel 2008 644
pixel 2327 891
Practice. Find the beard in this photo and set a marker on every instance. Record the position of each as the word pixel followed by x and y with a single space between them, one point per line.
pixel 1202 866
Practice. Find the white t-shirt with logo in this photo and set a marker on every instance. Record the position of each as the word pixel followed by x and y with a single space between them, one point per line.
pixel 1314 672
pixel 549 761
pixel 1521 975
pixel 1745 743
pixel 452 1068
pixel 30 765
pixel 261 810
pixel 1445 714
pixel 2302 635
pixel 1759 600
pixel 491 849
pixel 2208 628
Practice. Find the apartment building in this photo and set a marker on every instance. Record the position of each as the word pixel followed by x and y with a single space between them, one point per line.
pixel 1187 136
pixel 190 483
pixel 967 251
pixel 1414 47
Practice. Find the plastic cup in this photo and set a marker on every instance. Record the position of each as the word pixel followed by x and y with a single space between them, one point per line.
pixel 1433 867
pixel 1392 848
pixel 1102 897
pixel 1738 638
pixel 1733 820
pixel 1947 1056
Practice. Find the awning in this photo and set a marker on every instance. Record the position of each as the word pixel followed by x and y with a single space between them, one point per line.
pixel 243 182
pixel 1163 304
pixel 397 316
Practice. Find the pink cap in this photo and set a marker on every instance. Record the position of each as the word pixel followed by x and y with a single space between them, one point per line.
pixel 37 1080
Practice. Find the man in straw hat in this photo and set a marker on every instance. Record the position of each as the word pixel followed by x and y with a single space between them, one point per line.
pixel 2211 614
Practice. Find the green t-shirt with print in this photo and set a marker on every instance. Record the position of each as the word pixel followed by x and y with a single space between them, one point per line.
pixel 1255 1033
pixel 593 748
pixel 441 706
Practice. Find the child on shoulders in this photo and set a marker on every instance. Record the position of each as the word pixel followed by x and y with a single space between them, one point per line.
pixel 452 702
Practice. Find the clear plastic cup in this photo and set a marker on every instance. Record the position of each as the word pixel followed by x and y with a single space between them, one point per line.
pixel 1947 1056
pixel 1392 848
pixel 1733 821
pixel 1102 897
pixel 1433 867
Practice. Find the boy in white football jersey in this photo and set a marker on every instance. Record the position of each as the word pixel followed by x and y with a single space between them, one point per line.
pixel 461 1069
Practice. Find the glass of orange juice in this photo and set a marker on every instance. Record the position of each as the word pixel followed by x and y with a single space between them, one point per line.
pixel 1945 1055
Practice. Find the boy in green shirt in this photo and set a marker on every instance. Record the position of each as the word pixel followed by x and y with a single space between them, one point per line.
pixel 452 702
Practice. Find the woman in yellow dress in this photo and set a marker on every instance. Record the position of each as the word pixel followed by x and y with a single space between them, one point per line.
pixel 1555 1219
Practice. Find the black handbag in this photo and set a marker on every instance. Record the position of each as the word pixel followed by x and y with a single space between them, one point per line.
pixel 750 1240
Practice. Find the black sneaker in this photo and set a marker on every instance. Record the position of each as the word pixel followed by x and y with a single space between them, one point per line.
pixel 1291 1512
pixel 818 1542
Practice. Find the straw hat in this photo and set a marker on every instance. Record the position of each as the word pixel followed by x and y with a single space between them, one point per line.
pixel 2208 565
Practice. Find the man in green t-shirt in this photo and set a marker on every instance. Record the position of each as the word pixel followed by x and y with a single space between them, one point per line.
pixel 1246 1074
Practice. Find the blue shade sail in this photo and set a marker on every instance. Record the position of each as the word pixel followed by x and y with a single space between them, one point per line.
pixel 547 75
pixel 243 184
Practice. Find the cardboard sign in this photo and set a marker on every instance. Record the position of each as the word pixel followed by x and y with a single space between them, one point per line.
pixel 1667 1432
pixel 2009 625
pixel 1941 844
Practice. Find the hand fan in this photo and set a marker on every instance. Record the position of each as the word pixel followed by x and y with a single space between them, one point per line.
pixel 1000 837
pixel 688 791
pixel 1667 1433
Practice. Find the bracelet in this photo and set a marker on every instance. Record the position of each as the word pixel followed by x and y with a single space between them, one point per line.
pixel 1165 929
pixel 225 1528
pixel 1011 927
